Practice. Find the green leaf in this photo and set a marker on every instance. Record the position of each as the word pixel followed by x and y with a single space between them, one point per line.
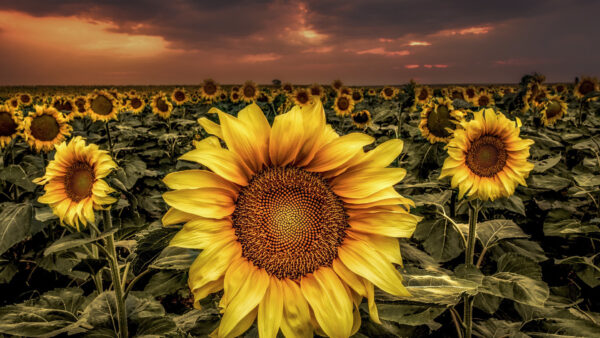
pixel 55 312
pixel 585 268
pixel 516 287
pixel 150 244
pixel 16 175
pixel 512 262
pixel 440 239
pixel 493 328
pixel 75 240
pixel 543 165
pixel 406 314
pixel 548 182
pixel 15 224
pixel 175 258
pixel 166 282
pixel 587 180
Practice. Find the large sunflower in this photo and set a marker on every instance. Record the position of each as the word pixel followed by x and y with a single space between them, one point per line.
pixel 585 86
pixel 439 119
pixel 74 184
pixel 101 105
pixel 10 125
pixel 45 127
pixel 161 106
pixel 486 158
pixel 249 91
pixel 209 90
pixel 343 105
pixel 553 110
pixel 295 223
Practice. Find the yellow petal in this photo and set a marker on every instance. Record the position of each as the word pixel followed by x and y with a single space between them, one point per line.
pixel 222 161
pixel 296 314
pixel 338 152
pixel 175 216
pixel 211 127
pixel 270 310
pixel 201 232
pixel 329 301
pixel 241 140
pixel 286 138
pixel 362 183
pixel 207 202
pixel 194 178
pixel 389 224
pixel 349 277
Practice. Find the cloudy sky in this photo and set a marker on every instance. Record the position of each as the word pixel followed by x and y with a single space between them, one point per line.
pixel 359 41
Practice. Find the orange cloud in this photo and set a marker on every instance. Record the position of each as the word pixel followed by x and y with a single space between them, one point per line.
pixel 418 43
pixel 478 30
pixel 382 51
pixel 255 58
pixel 411 66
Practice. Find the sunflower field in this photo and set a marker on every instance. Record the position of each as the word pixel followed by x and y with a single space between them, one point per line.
pixel 292 210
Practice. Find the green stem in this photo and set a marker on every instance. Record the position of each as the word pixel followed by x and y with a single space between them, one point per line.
pixel 469 254
pixel 110 144
pixel 115 275
pixel 97 277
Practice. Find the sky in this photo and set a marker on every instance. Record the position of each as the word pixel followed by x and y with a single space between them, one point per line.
pixel 361 42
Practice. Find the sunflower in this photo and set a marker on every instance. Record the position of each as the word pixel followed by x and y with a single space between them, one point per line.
pixel 264 97
pixel 136 104
pixel 361 118
pixel 13 103
pixel 538 98
pixel 249 91
pixel 179 96
pixel 10 125
pixel 345 91
pixel 45 128
pixel 287 88
pixel 235 96
pixel 317 90
pixel 66 106
pixel 470 93
pixel 161 106
pixel 458 93
pixel 371 92
pixel 560 88
pixel 585 86
pixel 24 99
pixel 553 110
pixel 337 85
pixel 439 120
pixel 79 103
pixel 343 105
pixel 483 99
pixel 389 93
pixel 357 95
pixel 102 106
pixel 296 224
pixel 487 158
pixel 74 184
pixel 301 96
pixel 209 90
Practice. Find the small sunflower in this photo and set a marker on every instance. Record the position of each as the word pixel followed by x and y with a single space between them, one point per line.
pixel 136 104
pixel 74 184
pixel 361 118
pixel 161 105
pixel 66 106
pixel 235 96
pixel 301 96
pixel 585 86
pixel 337 85
pixel 249 91
pixel 79 103
pixel 222 96
pixel 483 99
pixel 13 103
pixel 317 90
pixel 209 90
pixel 560 89
pixel 372 92
pixel 357 95
pixel 553 109
pixel 102 106
pixel 458 93
pixel 345 91
pixel 10 125
pixel 25 99
pixel 537 99
pixel 264 97
pixel 287 88
pixel 388 93
pixel 180 96
pixel 439 120
pixel 470 93
pixel 486 158
pixel 45 128
pixel 343 105
pixel 296 224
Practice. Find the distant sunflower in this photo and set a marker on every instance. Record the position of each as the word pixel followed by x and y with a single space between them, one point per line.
pixel 537 99
pixel 102 106
pixel 553 110
pixel 585 86
pixel 343 105
pixel 302 96
pixel 45 128
pixel 389 93
pixel 10 125
pixel 79 103
pixel 66 106
pixel 560 89
pixel 487 158
pixel 209 90
pixel 74 184
pixel 180 96
pixel 264 97
pixel 345 91
pixel 357 95
pixel 361 118
pixel 337 85
pixel 13 103
pixel 371 92
pixel 296 224
pixel 249 91
pixel 222 96
pixel 439 120
pixel 287 88
pixel 317 90
pixel 136 104
pixel 25 99
pixel 161 106
pixel 470 93
pixel 483 99
pixel 458 93
pixel 235 96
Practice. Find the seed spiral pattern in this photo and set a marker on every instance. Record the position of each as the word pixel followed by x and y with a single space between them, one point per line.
pixel 487 156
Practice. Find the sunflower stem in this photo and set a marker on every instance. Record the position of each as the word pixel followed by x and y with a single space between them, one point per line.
pixel 110 144
pixel 97 277
pixel 469 254
pixel 115 274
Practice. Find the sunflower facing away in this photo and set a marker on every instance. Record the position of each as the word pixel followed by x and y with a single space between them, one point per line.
pixel 295 223
pixel 45 127
pixel 438 120
pixel 74 184
pixel 10 125
pixel 102 106
pixel 209 90
pixel 486 158
pixel 161 106
pixel 337 85
pixel 343 105
pixel 553 110
pixel 361 118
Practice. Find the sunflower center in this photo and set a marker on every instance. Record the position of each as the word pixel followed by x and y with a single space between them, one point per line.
pixel 388 92
pixel 25 99
pixel 162 105
pixel 438 120
pixel 361 118
pixel 44 127
pixel 136 103
pixel 356 96
pixel 179 96
pixel 423 94
pixel 315 91
pixel 487 156
pixel 302 97
pixel 553 109
pixel 289 222
pixel 470 93
pixel 249 91
pixel 210 88
pixel 80 103
pixel 586 87
pixel 79 181
pixel 483 100
pixel 7 125
pixel 343 103
pixel 101 105
pixel 14 103
pixel 457 94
